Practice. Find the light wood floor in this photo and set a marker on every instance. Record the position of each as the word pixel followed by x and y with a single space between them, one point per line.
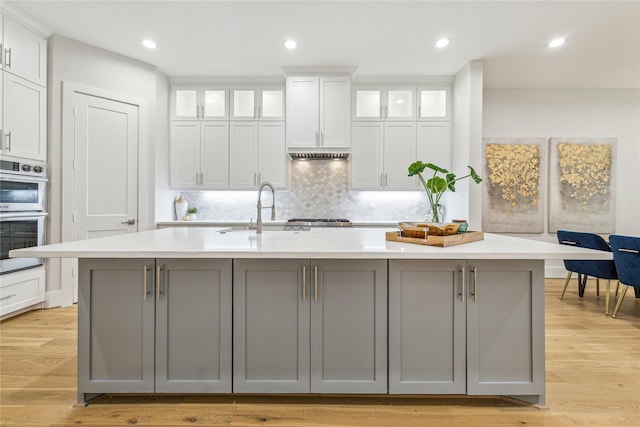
pixel 593 379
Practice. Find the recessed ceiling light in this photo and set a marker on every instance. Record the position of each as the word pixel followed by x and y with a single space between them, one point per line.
pixel 290 44
pixel 149 44
pixel 443 43
pixel 557 42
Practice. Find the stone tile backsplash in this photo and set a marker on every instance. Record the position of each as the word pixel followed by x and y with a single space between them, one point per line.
pixel 319 189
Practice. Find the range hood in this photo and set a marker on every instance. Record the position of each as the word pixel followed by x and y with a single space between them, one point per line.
pixel 318 154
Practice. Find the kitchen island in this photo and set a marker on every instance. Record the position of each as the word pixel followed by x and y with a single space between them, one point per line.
pixel 214 310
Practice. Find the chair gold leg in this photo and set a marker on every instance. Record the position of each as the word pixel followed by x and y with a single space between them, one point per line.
pixel 615 310
pixel 617 288
pixel 566 283
pixel 597 287
pixel 606 297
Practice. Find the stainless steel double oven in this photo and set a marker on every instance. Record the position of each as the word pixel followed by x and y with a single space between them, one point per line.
pixel 22 212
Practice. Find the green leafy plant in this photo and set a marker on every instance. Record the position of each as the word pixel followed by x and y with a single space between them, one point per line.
pixel 191 211
pixel 436 186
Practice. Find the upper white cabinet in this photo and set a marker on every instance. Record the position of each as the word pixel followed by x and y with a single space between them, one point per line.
pixel 318 111
pixel 24 118
pixel 257 103
pixel 381 154
pixel 384 103
pixel 434 103
pixel 199 155
pixel 257 153
pixel 23 52
pixel 434 143
pixel 192 102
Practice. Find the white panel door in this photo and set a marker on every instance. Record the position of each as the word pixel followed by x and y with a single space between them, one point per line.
pixel 214 155
pixel 106 167
pixel 434 143
pixel 24 118
pixel 399 153
pixel 366 156
pixel 272 156
pixel 335 105
pixel 302 112
pixel 243 155
pixel 25 54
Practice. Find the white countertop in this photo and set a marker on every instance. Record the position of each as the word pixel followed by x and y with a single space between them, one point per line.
pixel 318 243
pixel 240 223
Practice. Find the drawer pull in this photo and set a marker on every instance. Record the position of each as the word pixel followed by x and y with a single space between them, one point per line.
pixel 630 251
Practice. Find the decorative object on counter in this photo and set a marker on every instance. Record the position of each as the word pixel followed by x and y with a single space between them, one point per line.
pixel 430 217
pixel 415 229
pixel 582 186
pixel 436 186
pixel 192 214
pixel 181 207
pixel 463 225
pixel 432 240
pixel 513 199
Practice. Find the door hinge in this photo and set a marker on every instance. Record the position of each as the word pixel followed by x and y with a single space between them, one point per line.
pixel 74 111
pixel 73 217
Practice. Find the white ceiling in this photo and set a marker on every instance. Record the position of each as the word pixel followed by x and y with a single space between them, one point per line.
pixel 381 38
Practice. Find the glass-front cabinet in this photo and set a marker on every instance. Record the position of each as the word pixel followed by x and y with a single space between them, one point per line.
pixel 199 103
pixel 434 104
pixel 373 103
pixel 257 103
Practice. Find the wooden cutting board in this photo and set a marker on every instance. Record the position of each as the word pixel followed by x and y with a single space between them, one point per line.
pixel 443 241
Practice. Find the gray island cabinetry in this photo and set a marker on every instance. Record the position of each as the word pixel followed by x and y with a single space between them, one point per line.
pixel 316 326
pixel 206 310
pixel 474 327
pixel 148 325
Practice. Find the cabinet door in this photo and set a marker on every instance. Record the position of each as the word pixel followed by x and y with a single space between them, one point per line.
pixel 335 104
pixel 505 328
pixel 434 104
pixel 271 326
pixel 366 156
pixel 185 104
pixel 244 104
pixel 243 155
pixel 193 326
pixel 434 143
pixel 214 103
pixel 427 341
pixel 400 104
pixel 302 112
pixel 116 313
pixel 271 104
pixel 399 153
pixel 185 154
pixel 367 104
pixel 272 157
pixel 214 155
pixel 24 52
pixel 349 326
pixel 25 118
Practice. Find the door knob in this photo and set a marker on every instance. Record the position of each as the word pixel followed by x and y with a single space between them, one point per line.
pixel 129 222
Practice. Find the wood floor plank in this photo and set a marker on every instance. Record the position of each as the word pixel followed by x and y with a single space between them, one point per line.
pixel 592 371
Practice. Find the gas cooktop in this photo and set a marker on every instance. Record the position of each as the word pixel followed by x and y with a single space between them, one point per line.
pixel 318 222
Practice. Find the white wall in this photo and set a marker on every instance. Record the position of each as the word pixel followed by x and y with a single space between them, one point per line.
pixel 75 62
pixel 575 113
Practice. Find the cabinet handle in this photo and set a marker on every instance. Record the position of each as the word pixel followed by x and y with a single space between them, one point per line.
pixel 201 178
pixel 419 111
pixel 8 148
pixel 1 56
pixel 317 139
pixel 304 283
pixel 7 297
pixel 259 112
pixel 474 270
pixel 386 182
pixel 255 176
pixel 159 268
pixel 315 282
pixel 7 59
pixel 322 139
pixel 146 280
pixel 386 111
pixel 462 282
pixel 381 181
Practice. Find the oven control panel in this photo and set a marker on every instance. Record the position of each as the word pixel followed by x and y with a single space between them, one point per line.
pixel 19 168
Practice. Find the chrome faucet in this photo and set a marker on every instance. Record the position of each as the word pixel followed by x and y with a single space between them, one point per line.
pixel 273 205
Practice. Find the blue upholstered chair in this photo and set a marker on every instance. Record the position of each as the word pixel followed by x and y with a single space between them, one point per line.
pixel 626 255
pixel 600 269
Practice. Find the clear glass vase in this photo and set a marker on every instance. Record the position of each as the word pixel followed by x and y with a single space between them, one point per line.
pixel 430 217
